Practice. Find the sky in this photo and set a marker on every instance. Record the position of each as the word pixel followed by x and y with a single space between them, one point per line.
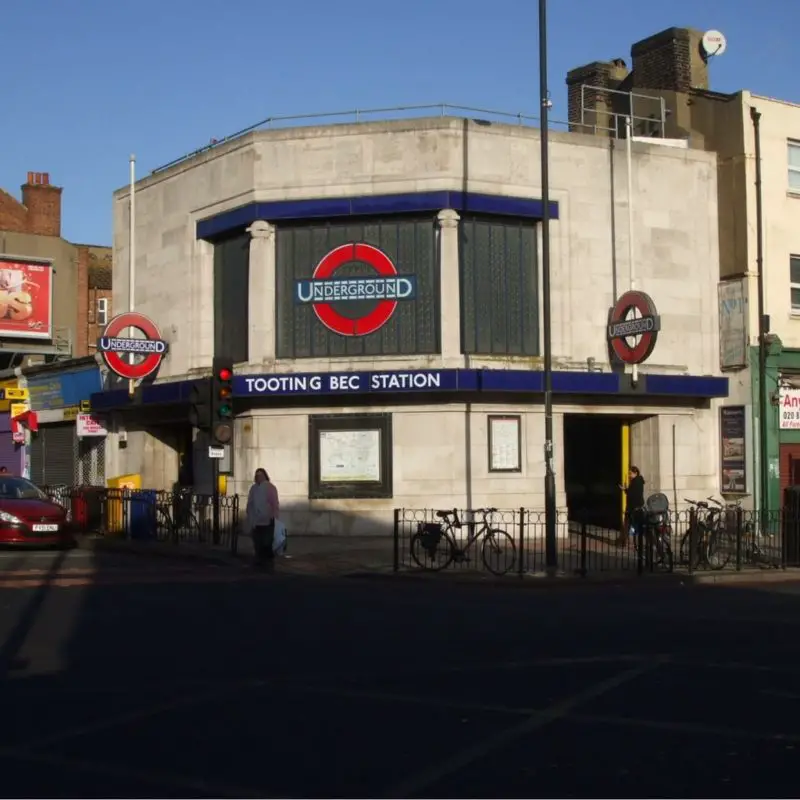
pixel 90 82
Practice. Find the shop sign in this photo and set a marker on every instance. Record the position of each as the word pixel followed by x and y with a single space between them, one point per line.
pixel 26 298
pixel 13 394
pixel 633 326
pixel 70 414
pixel 53 390
pixel 89 425
pixel 733 449
pixel 116 349
pixel 789 400
pixel 355 305
pixel 351 382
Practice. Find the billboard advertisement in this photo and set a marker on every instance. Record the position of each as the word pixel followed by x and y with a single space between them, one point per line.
pixel 26 298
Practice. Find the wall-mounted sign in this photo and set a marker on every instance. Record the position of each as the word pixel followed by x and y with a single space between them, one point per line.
pixel 732 324
pixel 633 326
pixel 116 349
pixel 733 449
pixel 355 304
pixel 352 382
pixel 26 298
pixel 89 425
pixel 789 404
pixel 62 389
pixel 13 394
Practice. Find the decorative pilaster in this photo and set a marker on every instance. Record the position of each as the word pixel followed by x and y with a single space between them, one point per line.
pixel 450 309
pixel 261 293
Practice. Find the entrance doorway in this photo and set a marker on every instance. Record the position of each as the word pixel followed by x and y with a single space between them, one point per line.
pixel 596 456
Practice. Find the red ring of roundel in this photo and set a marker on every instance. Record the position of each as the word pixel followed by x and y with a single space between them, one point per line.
pixel 380 315
pixel 116 362
pixel 644 305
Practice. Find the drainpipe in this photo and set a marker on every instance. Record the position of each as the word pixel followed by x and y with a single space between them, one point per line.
pixel 755 116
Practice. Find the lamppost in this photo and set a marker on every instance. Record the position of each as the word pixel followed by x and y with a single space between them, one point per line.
pixel 551 551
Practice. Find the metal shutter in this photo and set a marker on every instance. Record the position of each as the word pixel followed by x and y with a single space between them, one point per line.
pixel 55 464
pixel 36 452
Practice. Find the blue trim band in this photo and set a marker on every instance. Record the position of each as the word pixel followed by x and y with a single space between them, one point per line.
pixel 386 204
pixel 422 381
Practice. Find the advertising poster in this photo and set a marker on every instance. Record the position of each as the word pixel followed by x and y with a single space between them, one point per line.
pixel 26 299
pixel 732 324
pixel 733 450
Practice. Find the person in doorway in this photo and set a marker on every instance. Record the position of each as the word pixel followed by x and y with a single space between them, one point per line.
pixel 3 471
pixel 635 514
pixel 262 510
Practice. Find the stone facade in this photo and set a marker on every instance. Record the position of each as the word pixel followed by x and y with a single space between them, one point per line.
pixel 439 451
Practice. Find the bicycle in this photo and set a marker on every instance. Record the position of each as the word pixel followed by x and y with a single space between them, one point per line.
pixel 176 516
pixel 709 536
pixel 437 539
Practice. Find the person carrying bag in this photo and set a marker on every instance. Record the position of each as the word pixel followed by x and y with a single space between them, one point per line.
pixel 263 508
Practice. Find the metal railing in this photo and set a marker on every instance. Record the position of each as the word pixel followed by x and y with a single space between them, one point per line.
pixel 179 517
pixel 364 115
pixel 514 542
pixel 606 110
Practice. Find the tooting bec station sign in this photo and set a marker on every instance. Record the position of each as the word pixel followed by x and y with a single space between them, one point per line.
pixel 148 348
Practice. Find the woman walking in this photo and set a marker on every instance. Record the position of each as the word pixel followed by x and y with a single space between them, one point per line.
pixel 263 508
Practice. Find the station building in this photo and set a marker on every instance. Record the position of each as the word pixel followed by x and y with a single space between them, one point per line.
pixel 379 288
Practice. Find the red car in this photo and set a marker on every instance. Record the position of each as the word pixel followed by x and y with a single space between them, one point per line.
pixel 29 517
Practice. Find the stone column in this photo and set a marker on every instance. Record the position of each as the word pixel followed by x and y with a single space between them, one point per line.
pixel 261 293
pixel 202 331
pixel 450 309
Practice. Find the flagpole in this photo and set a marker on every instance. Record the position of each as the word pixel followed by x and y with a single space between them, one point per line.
pixel 132 253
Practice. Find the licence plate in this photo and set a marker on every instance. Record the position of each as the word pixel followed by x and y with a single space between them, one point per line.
pixel 44 528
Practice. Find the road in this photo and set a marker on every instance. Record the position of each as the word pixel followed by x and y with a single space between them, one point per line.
pixel 132 677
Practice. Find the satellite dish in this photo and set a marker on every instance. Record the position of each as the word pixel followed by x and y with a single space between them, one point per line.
pixel 713 43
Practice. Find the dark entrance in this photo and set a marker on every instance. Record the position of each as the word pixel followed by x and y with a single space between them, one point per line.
pixel 593 462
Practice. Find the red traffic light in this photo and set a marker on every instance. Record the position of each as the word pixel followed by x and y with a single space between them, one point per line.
pixel 225 374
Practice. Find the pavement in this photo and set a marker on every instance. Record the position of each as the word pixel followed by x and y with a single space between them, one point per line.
pixel 125 676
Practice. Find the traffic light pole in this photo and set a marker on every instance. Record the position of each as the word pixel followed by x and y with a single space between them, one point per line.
pixel 215 534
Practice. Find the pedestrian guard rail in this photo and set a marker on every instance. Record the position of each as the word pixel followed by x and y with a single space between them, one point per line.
pixel 497 541
pixel 514 541
pixel 179 516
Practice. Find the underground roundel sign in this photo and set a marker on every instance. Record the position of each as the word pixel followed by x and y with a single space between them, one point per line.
pixel 148 347
pixel 633 327
pixel 355 289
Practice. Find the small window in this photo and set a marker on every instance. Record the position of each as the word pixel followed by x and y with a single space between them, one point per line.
pixel 102 311
pixel 794 282
pixel 794 167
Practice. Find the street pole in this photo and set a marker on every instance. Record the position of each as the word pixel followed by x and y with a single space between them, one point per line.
pixel 551 551
pixel 763 505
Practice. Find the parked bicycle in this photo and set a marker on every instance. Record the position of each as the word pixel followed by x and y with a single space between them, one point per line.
pixel 176 516
pixel 758 546
pixel 434 545
pixel 658 532
pixel 711 539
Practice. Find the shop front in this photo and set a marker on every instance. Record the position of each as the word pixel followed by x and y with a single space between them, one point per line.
pixel 69 445
pixel 12 438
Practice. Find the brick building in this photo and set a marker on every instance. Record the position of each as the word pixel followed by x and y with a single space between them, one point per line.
pixel 48 347
pixel 30 228
pixel 667 93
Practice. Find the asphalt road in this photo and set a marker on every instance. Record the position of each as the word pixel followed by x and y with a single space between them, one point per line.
pixel 123 677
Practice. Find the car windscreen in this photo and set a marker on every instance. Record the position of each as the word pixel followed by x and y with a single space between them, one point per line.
pixel 20 489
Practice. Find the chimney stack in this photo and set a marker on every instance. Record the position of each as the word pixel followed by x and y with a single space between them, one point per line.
pixel 592 98
pixel 43 202
pixel 670 61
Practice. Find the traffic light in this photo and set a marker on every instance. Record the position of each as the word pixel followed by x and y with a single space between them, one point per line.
pixel 200 408
pixel 222 401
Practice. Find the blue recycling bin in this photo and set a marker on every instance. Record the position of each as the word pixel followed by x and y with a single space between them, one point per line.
pixel 142 514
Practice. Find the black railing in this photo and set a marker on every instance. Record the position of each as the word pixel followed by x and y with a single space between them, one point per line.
pixel 513 542
pixel 179 517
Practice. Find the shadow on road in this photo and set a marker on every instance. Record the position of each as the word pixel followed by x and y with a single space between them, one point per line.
pixel 153 679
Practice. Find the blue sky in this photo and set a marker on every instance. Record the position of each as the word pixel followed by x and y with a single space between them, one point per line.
pixel 89 82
